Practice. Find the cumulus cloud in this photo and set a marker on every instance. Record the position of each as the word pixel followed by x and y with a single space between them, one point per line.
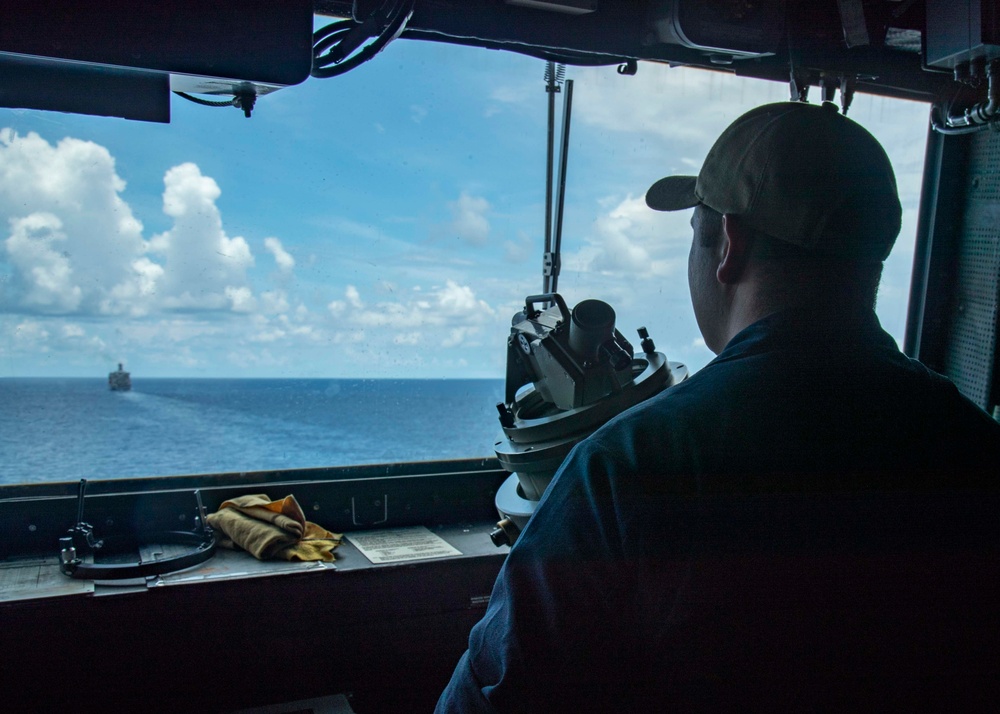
pixel 446 315
pixel 33 247
pixel 631 240
pixel 469 222
pixel 138 294
pixel 72 240
pixel 204 267
pixel 241 299
pixel 73 245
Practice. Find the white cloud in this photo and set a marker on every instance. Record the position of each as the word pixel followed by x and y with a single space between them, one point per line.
pixel 281 331
pixel 282 258
pixel 416 330
pixel 74 246
pixel 46 272
pixel 242 299
pixel 469 222
pixel 458 336
pixel 680 107
pixel 136 296
pixel 274 302
pixel 630 240
pixel 188 192
pixel 54 336
pixel 73 239
pixel 456 300
pixel 204 267
pixel 444 315
pixel 71 330
pixel 30 334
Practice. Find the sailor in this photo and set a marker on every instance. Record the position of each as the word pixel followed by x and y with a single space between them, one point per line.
pixel 796 526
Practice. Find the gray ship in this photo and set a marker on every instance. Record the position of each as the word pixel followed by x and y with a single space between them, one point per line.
pixel 119 381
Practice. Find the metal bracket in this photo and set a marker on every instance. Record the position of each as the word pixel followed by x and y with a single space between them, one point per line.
pixel 80 539
pixel 550 264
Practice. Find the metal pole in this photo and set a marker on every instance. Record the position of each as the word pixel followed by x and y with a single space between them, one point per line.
pixel 550 88
pixel 561 200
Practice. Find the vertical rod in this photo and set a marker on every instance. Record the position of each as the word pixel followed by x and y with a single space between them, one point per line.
pixel 550 88
pixel 202 516
pixel 81 493
pixel 929 192
pixel 563 157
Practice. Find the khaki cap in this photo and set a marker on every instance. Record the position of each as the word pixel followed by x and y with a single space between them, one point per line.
pixel 802 173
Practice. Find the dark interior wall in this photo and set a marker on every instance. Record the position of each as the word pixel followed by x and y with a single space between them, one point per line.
pixel 957 268
pixel 970 355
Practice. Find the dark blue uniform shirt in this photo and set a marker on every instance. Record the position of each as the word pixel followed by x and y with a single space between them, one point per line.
pixel 808 523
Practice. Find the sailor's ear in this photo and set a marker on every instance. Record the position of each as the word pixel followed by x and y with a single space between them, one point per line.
pixel 735 249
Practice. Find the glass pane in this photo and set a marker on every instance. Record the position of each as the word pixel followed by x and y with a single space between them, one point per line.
pixel 331 281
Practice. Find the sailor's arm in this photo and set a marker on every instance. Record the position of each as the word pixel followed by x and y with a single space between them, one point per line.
pixel 564 626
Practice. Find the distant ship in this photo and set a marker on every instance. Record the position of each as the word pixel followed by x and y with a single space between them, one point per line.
pixel 119 381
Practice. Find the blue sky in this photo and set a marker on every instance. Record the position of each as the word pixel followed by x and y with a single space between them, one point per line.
pixel 384 223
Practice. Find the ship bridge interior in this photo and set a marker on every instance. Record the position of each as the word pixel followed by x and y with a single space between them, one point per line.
pixel 232 634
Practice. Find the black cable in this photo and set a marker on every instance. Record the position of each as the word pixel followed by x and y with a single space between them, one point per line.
pixel 549 54
pixel 344 37
pixel 577 59
pixel 335 46
pixel 205 102
pixel 327 37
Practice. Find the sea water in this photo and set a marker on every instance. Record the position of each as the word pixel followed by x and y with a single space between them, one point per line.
pixel 68 429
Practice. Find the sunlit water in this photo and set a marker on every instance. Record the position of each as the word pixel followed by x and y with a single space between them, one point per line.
pixel 67 429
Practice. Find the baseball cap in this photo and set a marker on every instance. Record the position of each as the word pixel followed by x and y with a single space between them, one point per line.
pixel 801 173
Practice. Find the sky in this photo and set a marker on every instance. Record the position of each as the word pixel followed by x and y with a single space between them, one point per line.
pixel 386 223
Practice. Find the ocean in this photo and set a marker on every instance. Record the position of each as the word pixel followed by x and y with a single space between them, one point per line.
pixel 68 429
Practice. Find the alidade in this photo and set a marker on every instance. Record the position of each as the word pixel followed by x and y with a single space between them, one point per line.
pixel 568 372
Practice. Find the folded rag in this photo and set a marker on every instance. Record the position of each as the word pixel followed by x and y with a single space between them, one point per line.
pixel 272 529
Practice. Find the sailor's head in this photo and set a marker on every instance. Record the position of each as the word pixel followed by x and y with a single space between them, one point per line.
pixel 793 187
pixel 801 173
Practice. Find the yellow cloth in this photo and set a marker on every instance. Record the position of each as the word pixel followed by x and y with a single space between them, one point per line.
pixel 272 529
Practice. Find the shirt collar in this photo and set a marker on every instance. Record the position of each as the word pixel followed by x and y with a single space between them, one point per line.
pixel 825 327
